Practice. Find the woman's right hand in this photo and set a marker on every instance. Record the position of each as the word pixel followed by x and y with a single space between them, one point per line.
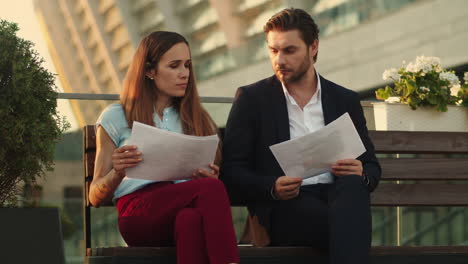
pixel 125 157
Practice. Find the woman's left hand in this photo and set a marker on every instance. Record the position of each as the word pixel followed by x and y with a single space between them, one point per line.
pixel 202 173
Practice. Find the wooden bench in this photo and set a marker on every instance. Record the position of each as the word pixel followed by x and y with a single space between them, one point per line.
pixel 400 186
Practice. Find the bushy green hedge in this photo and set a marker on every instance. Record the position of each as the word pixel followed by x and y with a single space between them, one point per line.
pixel 29 123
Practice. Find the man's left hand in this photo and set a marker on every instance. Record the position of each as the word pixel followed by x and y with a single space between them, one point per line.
pixel 347 167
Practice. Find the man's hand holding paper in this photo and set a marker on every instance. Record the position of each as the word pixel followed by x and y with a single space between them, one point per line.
pixel 332 148
pixel 171 156
pixel 347 167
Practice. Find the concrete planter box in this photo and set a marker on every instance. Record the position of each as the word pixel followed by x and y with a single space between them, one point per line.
pixel 400 117
pixel 31 235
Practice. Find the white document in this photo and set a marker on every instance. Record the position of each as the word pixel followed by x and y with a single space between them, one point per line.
pixel 169 156
pixel 314 153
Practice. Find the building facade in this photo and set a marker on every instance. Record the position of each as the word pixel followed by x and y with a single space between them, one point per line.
pixel 92 41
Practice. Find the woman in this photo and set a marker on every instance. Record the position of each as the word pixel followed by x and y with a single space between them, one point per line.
pixel 159 90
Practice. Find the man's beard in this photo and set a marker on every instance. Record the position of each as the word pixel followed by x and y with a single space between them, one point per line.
pixel 298 74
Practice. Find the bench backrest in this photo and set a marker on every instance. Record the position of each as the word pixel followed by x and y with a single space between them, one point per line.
pixel 408 159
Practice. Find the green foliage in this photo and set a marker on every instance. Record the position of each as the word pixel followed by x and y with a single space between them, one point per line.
pixel 423 83
pixel 29 123
pixel 463 92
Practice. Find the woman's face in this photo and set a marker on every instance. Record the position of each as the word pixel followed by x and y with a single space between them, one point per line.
pixel 172 74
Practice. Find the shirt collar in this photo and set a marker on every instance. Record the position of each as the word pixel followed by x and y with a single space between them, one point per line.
pixel 314 98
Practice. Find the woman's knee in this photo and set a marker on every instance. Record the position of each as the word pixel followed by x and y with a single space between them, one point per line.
pixel 212 184
pixel 188 217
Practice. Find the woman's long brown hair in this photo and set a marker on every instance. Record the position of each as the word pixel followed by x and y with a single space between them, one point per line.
pixel 139 92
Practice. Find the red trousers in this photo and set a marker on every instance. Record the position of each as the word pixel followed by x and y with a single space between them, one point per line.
pixel 194 215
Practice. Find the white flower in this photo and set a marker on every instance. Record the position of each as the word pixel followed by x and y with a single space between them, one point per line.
pixel 424 89
pixel 451 77
pixel 424 64
pixel 393 99
pixel 428 63
pixel 411 67
pixel 454 90
pixel 465 77
pixel 391 74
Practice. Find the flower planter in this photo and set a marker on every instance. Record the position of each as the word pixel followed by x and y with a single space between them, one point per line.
pixel 400 117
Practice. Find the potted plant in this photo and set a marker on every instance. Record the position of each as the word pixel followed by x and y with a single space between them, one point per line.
pixel 463 92
pixel 30 124
pixel 424 85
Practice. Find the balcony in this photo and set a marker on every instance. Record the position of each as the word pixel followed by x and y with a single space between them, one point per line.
pixel 212 42
pixel 119 38
pixel 105 5
pixel 150 21
pixel 256 26
pixel 112 19
pixel 202 19
pixel 139 5
pixel 187 5
pixel 247 5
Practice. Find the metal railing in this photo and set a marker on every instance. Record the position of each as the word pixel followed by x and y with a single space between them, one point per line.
pixel 115 97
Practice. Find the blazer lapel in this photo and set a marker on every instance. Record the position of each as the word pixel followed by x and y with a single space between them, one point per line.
pixel 328 102
pixel 280 110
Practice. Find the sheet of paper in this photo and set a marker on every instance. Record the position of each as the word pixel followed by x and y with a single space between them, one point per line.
pixel 314 153
pixel 169 156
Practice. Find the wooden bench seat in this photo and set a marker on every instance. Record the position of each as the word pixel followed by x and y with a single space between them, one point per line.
pixel 406 169
pixel 294 255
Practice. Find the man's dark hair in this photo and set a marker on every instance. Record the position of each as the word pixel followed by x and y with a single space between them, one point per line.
pixel 294 18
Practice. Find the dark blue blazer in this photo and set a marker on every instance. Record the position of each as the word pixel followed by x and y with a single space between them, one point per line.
pixel 259 119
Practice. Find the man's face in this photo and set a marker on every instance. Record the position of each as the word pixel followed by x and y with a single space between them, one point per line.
pixel 289 55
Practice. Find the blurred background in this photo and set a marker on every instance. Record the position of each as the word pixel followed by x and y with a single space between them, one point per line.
pixel 90 43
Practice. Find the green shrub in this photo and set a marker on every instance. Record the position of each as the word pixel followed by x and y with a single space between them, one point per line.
pixel 29 123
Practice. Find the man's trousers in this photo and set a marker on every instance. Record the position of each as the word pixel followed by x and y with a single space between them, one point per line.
pixel 335 217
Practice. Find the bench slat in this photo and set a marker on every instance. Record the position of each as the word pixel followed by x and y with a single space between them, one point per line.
pixel 384 141
pixel 419 142
pixel 280 251
pixel 420 195
pixel 90 138
pixel 424 169
pixel 89 160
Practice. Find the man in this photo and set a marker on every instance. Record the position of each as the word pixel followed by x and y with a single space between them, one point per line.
pixel 328 211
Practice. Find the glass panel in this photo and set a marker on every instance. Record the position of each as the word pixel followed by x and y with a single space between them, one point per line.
pixel 104 228
pixel 384 226
pixel 239 217
pixel 219 112
pixel 334 16
pixel 427 226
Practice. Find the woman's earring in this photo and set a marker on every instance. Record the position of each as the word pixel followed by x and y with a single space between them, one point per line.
pixel 151 77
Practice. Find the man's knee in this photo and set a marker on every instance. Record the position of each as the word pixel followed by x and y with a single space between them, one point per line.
pixel 351 181
pixel 349 189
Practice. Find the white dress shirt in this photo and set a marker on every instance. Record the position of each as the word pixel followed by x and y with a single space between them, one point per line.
pixel 303 121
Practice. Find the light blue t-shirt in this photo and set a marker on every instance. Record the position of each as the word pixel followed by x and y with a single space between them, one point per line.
pixel 113 120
